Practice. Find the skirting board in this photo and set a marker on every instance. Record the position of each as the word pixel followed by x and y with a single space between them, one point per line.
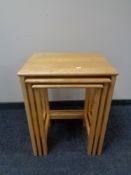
pixel 59 104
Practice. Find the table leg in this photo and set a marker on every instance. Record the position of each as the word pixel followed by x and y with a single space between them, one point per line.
pixel 47 105
pixel 34 117
pixel 93 120
pixel 29 117
pixel 106 114
pixel 86 120
pixel 45 108
pixel 100 117
pixel 41 120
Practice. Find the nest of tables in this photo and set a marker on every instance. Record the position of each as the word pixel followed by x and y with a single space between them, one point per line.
pixel 89 71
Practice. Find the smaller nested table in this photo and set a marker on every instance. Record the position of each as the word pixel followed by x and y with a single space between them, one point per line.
pixel 57 70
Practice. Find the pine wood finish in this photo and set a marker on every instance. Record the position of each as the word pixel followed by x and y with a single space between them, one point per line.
pixel 66 64
pixel 67 70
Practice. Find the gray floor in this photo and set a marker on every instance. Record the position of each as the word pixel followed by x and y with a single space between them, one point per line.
pixel 67 147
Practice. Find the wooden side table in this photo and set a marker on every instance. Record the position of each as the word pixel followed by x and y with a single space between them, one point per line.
pixel 57 70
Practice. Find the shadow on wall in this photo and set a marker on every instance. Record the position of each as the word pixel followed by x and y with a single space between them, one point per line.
pixel 66 94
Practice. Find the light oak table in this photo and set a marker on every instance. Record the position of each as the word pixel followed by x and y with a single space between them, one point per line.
pixel 67 70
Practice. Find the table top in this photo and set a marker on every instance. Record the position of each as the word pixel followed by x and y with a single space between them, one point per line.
pixel 67 64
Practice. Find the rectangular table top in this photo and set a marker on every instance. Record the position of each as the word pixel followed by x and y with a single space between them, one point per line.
pixel 66 64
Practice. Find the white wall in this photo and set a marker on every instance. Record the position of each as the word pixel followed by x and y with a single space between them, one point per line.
pixel 28 26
